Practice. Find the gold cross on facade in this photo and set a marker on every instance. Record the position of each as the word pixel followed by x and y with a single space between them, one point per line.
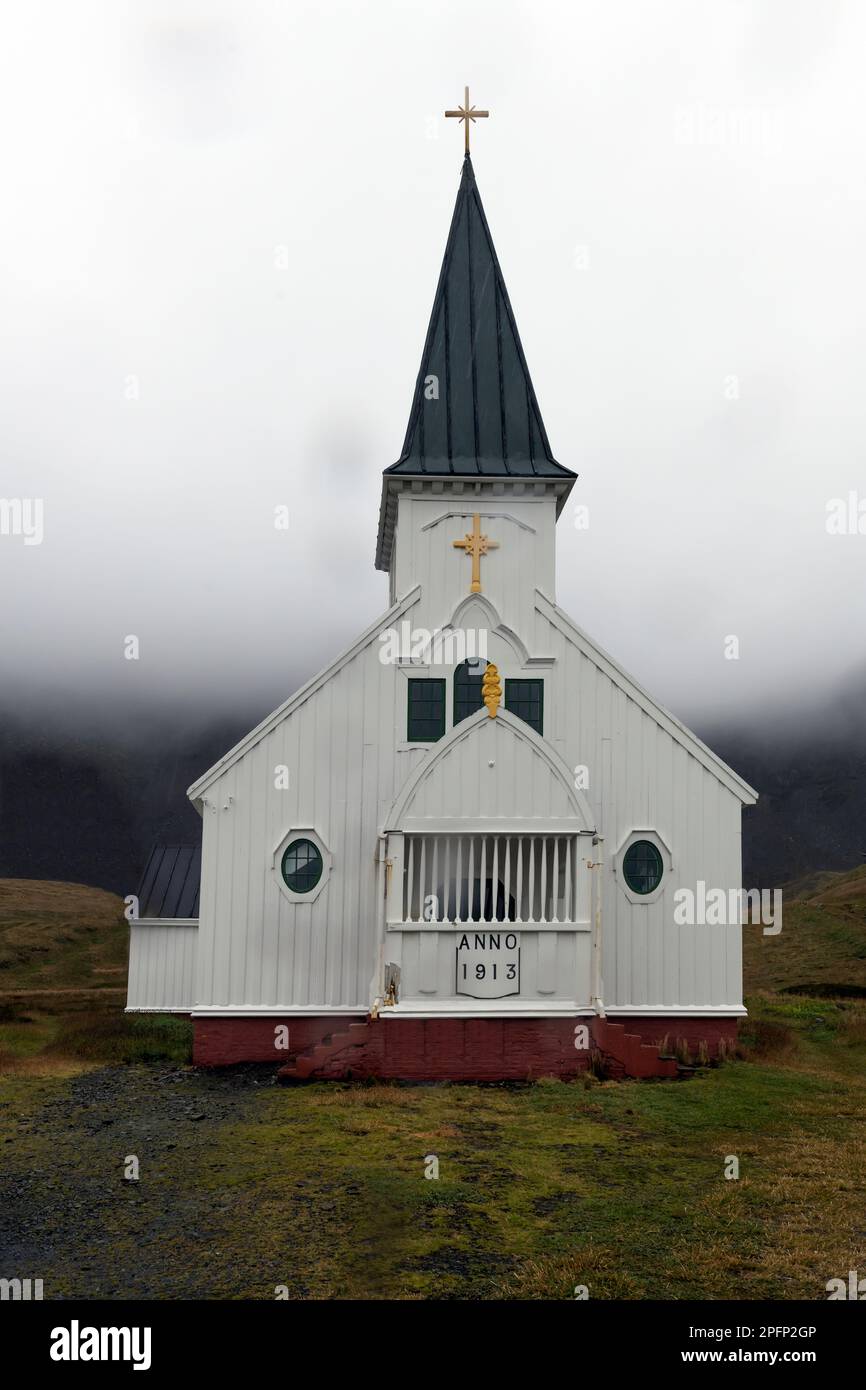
pixel 466 113
pixel 476 545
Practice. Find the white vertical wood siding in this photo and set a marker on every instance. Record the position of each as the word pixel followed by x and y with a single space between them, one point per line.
pixel 162 962
pixel 347 757
pixel 523 529
pixel 641 778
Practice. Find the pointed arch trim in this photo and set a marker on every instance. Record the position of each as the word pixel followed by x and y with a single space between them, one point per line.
pixel 471 727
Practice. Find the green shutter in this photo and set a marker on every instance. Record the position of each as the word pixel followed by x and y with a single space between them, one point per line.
pixel 426 722
pixel 526 700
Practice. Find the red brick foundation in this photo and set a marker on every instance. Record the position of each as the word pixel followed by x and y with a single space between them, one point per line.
pixel 221 1042
pixel 448 1049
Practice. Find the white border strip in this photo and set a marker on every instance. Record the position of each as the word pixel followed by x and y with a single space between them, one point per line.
pixel 677 1011
pixel 277 1011
pixel 164 922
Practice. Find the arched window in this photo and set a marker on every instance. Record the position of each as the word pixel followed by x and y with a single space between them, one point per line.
pixel 467 687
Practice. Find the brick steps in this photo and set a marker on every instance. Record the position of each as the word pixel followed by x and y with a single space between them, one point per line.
pixel 625 1053
pixel 315 1057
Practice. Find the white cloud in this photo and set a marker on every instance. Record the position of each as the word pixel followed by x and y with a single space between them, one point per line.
pixel 161 163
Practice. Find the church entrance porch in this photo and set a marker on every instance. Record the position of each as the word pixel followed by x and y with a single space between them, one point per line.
pixel 487 917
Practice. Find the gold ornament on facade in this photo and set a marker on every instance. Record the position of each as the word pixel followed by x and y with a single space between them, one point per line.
pixel 491 690
pixel 476 545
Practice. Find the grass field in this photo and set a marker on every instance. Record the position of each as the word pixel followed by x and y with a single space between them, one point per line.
pixel 822 946
pixel 244 1186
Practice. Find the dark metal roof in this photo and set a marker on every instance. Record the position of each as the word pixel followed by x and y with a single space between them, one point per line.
pixel 486 419
pixel 169 887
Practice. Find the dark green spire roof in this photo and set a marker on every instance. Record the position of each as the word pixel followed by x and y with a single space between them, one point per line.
pixel 485 420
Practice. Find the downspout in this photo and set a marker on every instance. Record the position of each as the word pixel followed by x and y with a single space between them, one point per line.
pixel 377 984
pixel 598 866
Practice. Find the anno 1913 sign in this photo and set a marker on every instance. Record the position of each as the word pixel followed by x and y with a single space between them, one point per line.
pixel 488 964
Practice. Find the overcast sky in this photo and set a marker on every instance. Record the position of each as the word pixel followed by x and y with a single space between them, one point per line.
pixel 221 229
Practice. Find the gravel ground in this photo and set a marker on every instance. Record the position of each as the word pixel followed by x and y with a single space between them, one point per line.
pixel 68 1214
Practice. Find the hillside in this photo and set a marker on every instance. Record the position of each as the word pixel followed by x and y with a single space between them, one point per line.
pixel 60 936
pixel 821 949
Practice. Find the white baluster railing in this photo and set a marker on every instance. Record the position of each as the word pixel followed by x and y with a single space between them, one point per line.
pixel 459 878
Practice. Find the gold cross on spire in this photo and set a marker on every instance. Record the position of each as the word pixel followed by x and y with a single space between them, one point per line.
pixel 475 545
pixel 466 113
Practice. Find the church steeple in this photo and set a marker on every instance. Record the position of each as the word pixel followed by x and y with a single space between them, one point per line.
pixel 474 411
pixel 475 426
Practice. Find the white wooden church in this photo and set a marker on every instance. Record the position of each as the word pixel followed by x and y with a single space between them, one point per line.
pixel 454 852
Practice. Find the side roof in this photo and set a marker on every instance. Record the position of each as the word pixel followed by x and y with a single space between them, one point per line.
pixel 170 883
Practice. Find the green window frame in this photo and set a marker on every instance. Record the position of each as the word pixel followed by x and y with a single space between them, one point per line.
pixel 426 710
pixel 526 700
pixel 643 867
pixel 302 866
pixel 467 689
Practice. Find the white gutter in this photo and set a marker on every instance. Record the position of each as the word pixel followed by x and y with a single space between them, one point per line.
pixel 598 867
pixel 377 984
